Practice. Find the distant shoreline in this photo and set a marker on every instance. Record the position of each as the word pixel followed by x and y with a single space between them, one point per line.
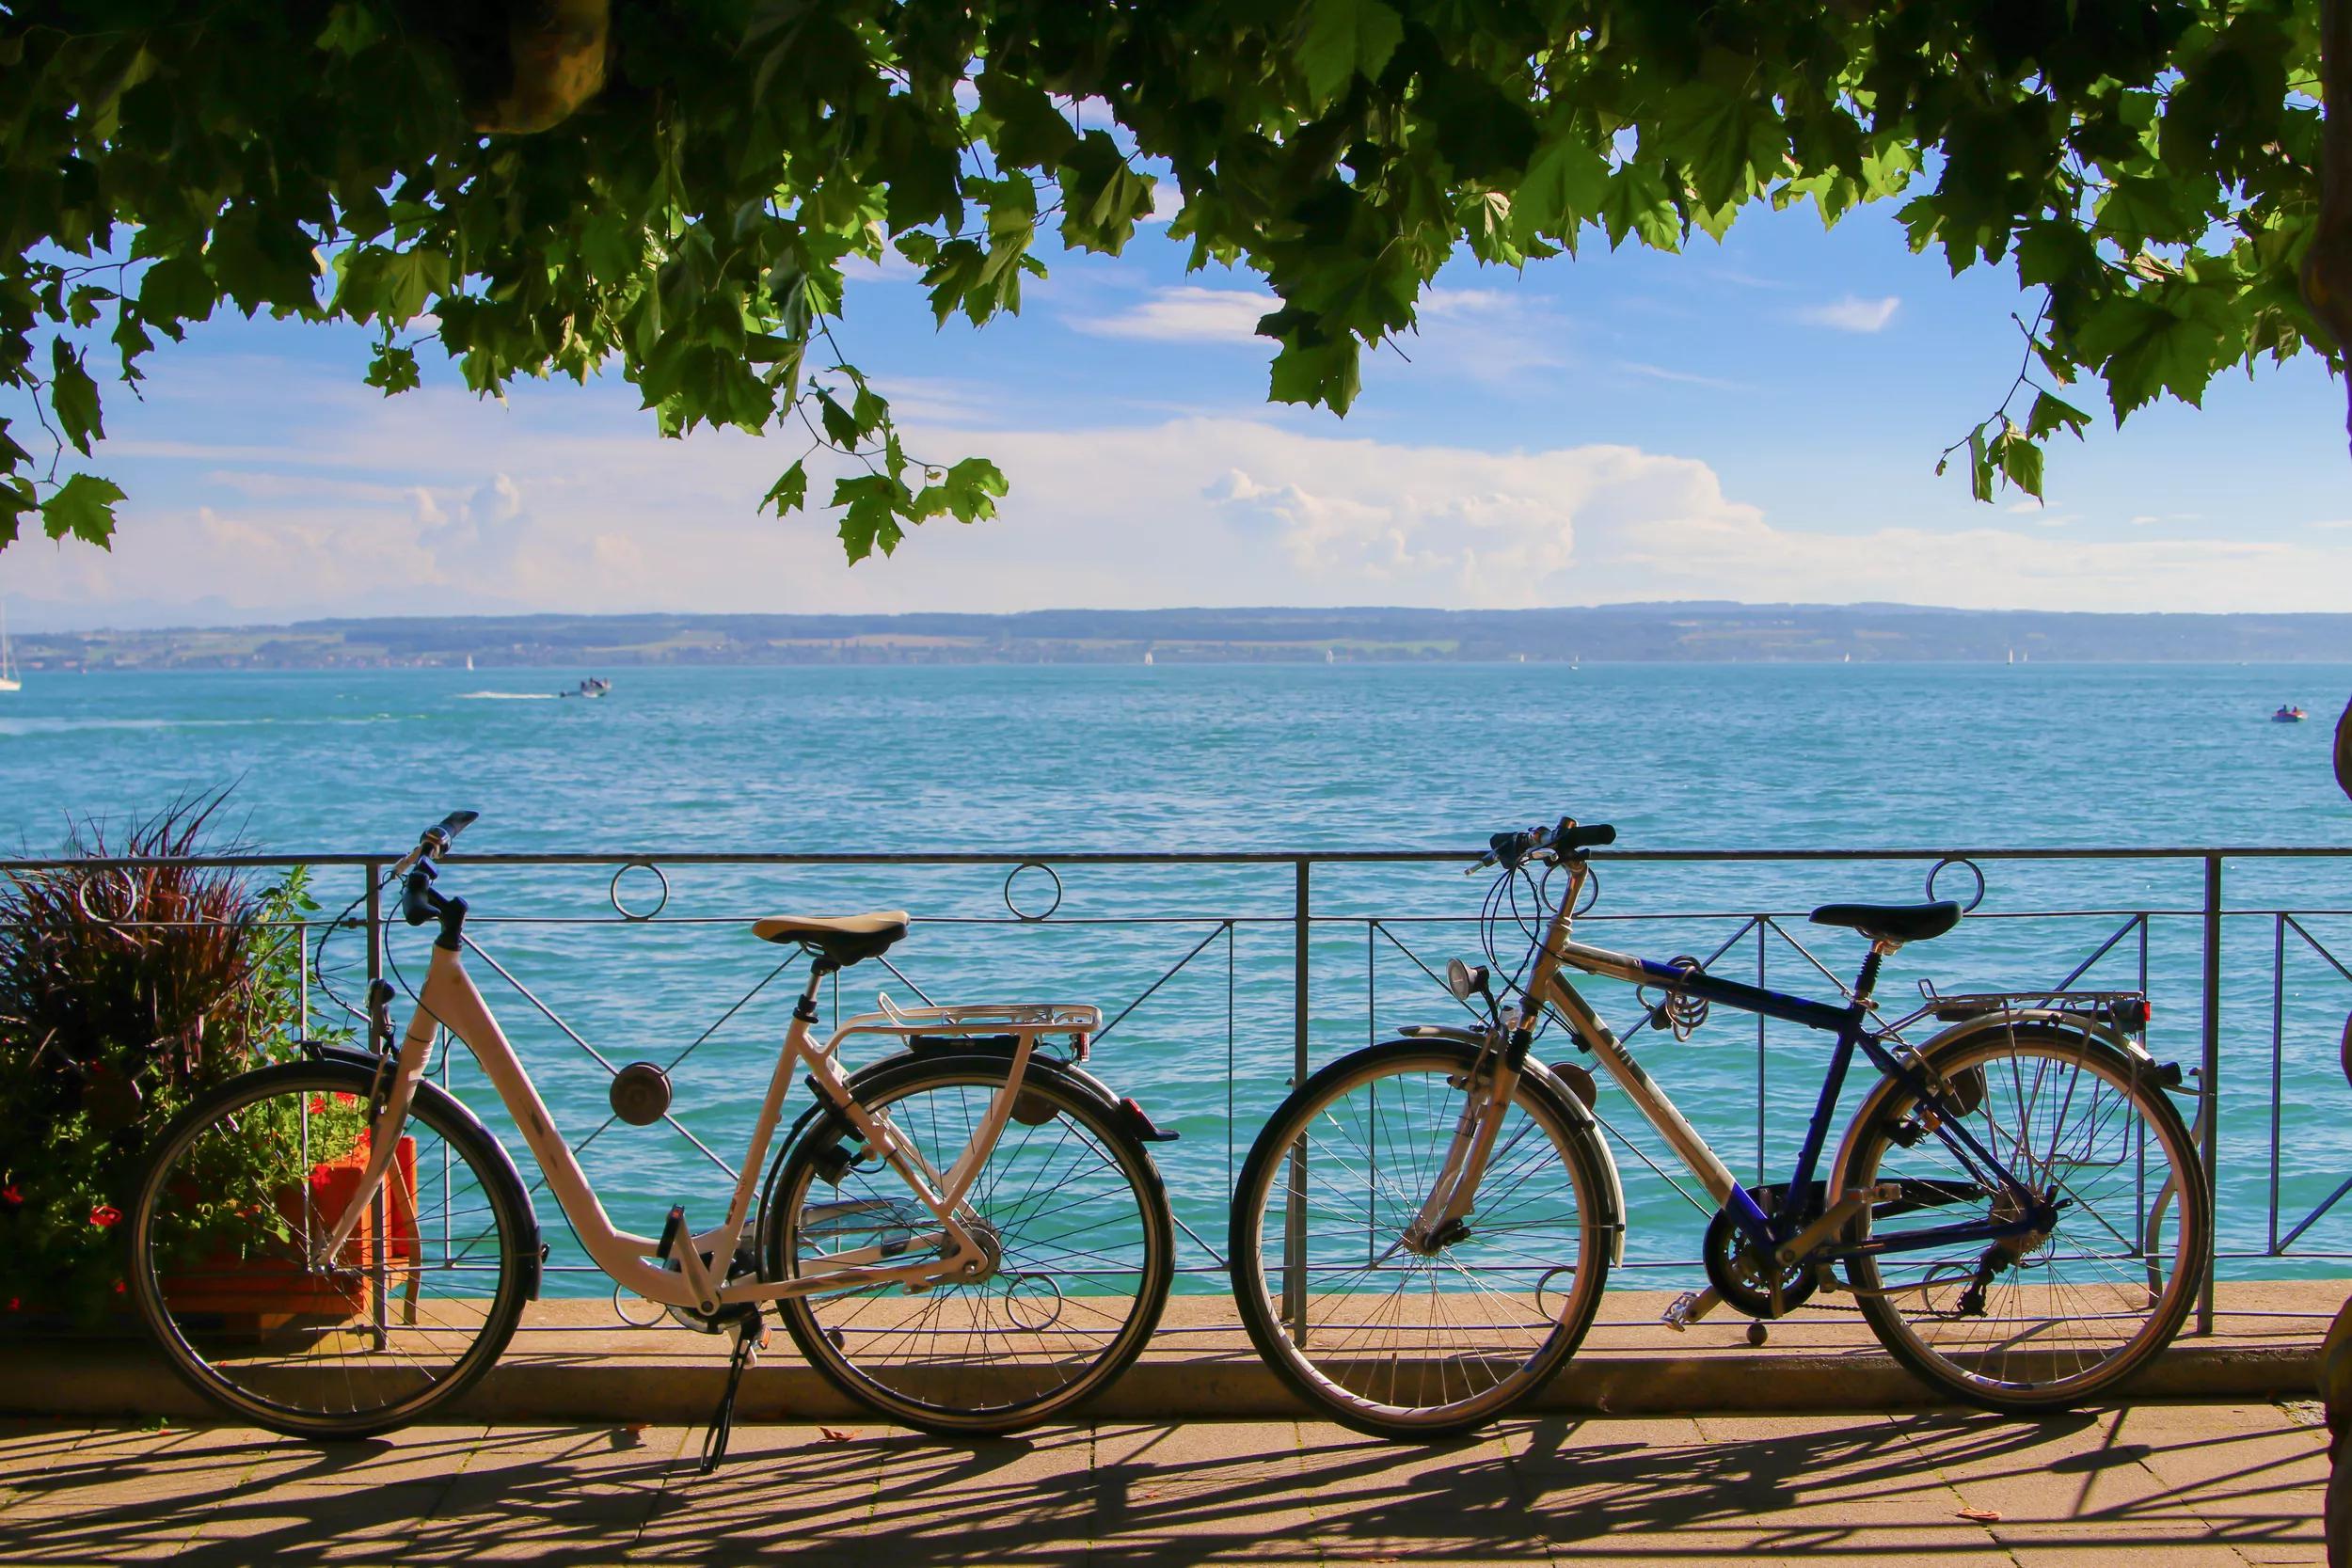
pixel 1674 633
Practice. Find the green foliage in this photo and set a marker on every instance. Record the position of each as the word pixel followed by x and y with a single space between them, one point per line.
pixel 2149 166
pixel 122 995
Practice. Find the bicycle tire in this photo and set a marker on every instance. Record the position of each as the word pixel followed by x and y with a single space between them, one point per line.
pixel 2064 1320
pixel 1032 1350
pixel 1535 1341
pixel 244 1316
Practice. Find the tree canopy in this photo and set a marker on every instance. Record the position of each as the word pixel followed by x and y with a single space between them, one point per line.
pixel 2152 167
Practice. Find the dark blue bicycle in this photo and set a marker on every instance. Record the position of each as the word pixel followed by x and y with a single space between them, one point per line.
pixel 1422 1235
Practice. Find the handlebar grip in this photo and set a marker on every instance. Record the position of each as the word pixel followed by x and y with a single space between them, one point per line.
pixel 1588 835
pixel 437 838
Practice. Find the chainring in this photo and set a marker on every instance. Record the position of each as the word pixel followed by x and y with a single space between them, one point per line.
pixel 1741 1274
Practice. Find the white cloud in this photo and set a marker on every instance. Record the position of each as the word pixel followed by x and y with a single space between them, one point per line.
pixel 1186 314
pixel 562 500
pixel 1680 378
pixel 1851 315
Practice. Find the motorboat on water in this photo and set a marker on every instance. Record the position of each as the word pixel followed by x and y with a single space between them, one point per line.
pixel 9 681
pixel 594 686
pixel 2289 714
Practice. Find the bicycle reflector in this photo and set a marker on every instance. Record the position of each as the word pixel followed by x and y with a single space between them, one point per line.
pixel 640 1094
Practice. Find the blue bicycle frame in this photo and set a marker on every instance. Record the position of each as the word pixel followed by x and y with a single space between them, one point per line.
pixel 2030 1210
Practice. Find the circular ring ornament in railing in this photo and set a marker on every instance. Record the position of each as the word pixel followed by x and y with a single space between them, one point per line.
pixel 1022 914
pixel 622 1312
pixel 118 876
pixel 1560 1304
pixel 614 893
pixel 1968 865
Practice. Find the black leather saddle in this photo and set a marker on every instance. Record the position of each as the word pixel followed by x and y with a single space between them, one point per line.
pixel 1892 922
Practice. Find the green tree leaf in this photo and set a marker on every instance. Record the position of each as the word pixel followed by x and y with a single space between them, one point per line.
pixel 1346 39
pixel 2050 415
pixel 789 492
pixel 84 507
pixel 73 396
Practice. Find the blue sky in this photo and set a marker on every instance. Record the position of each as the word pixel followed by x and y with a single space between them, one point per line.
pixel 1757 420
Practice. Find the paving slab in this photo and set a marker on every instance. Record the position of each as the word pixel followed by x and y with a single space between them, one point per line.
pixel 2144 1485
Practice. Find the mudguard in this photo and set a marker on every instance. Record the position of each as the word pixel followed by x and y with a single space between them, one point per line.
pixel 2054 1018
pixel 534 1249
pixel 1124 1112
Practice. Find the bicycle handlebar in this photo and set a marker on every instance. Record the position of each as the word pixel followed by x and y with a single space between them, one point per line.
pixel 419 903
pixel 1512 850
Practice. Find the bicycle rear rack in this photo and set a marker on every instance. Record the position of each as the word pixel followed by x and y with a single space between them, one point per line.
pixel 2126 1011
pixel 977 1023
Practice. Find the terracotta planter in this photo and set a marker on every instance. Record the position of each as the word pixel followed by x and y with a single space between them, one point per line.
pixel 265 1292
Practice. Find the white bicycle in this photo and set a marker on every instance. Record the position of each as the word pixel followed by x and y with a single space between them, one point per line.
pixel 969 1235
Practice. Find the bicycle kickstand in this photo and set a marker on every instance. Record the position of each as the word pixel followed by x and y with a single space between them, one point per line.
pixel 749 1334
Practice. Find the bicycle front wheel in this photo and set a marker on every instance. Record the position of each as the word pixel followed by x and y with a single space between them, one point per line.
pixel 2045 1318
pixel 231 1271
pixel 1071 1210
pixel 1385 1337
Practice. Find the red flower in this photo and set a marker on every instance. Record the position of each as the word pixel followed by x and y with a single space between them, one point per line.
pixel 320 1177
pixel 104 1217
pixel 11 1197
pixel 318 1104
pixel 117 1287
pixel 344 1097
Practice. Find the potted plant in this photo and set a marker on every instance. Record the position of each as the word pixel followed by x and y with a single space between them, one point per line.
pixel 124 992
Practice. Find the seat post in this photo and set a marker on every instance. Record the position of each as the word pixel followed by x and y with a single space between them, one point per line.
pixel 1868 980
pixel 805 1008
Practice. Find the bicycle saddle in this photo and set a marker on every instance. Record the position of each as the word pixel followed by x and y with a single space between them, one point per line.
pixel 1892 922
pixel 843 939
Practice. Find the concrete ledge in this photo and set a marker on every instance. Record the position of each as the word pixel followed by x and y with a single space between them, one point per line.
pixel 567 1363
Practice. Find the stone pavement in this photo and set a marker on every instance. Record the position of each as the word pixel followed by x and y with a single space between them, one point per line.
pixel 2146 1486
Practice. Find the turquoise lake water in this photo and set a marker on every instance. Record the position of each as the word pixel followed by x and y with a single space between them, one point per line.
pixel 1327 759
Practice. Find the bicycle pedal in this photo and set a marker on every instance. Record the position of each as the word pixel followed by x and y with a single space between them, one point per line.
pixel 1689 1308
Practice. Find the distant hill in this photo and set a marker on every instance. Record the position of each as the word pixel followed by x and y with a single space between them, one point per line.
pixel 1695 631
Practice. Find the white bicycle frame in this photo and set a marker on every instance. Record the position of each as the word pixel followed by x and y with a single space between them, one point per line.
pixel 450 1001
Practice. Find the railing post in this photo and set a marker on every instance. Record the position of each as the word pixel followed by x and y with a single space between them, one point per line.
pixel 375 931
pixel 379 1306
pixel 2210 1144
pixel 1295 1208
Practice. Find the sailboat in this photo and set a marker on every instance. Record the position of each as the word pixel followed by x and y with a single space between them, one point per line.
pixel 9 679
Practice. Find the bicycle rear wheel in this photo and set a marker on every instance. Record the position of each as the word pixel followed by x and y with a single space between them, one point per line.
pixel 1073 1211
pixel 2046 1318
pixel 228 1266
pixel 1390 1340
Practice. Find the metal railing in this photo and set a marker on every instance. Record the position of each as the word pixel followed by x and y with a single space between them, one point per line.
pixel 1297 955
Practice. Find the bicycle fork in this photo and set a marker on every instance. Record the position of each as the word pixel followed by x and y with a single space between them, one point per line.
pixel 1444 1215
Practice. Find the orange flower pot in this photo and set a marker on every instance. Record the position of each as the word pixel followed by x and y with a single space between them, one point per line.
pixel 271 1289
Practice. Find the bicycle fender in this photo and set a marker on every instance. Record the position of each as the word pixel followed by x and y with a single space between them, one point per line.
pixel 1960 1034
pixel 2051 1017
pixel 535 1250
pixel 1124 1111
